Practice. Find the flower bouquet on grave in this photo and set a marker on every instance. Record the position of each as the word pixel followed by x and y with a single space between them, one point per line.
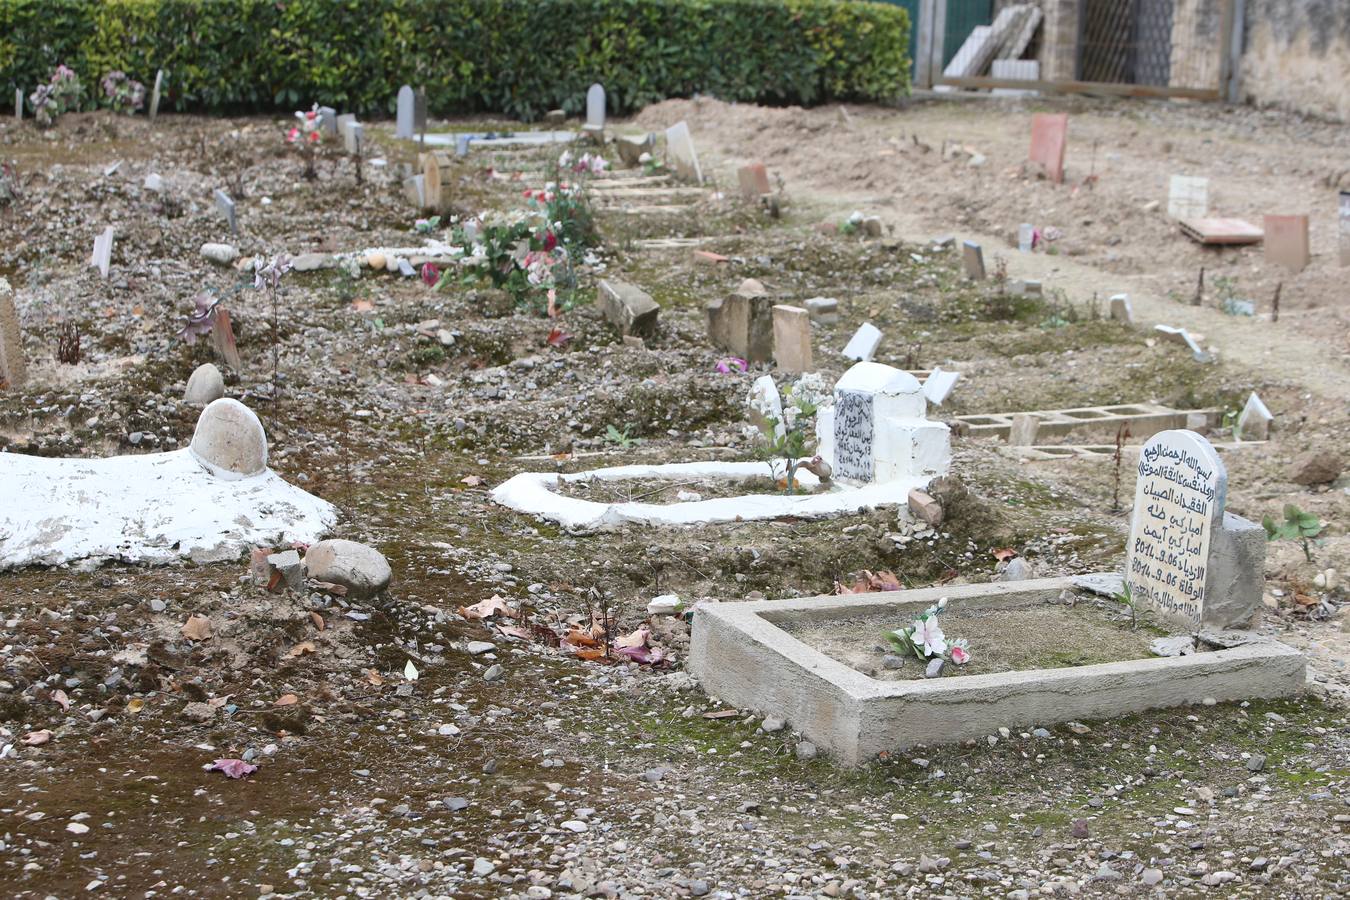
pixel 925 639
pixel 307 136
pixel 785 426
pixel 62 94
pixel 123 94
pixel 209 317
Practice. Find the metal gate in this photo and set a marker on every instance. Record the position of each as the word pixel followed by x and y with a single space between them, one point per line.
pixel 1159 48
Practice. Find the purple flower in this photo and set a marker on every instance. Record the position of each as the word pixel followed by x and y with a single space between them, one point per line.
pixel 732 364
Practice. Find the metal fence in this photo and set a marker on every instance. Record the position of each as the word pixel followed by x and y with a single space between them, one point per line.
pixel 1165 48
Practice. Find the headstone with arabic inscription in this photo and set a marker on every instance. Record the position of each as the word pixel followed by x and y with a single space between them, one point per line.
pixel 877 430
pixel 1189 561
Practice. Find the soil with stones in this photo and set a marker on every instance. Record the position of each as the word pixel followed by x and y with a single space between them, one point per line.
pixel 527 770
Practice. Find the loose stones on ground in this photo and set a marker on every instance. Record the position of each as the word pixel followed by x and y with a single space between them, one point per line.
pixel 362 570
pixel 230 440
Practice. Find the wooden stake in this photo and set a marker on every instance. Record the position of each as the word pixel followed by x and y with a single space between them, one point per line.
pixel 1199 289
pixel 1275 303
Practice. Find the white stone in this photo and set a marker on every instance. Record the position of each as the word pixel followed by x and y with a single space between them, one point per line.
pixel 680 153
pixel 155 94
pixel 222 254
pixel 595 108
pixel 1188 197
pixel 1180 494
pixel 154 183
pixel 477 648
pixel 1183 337
pixel 361 569
pixel 204 386
pixel 407 102
pixel 665 605
pixel 101 258
pixel 880 430
pixel 1253 423
pixel 1026 236
pixel 1121 311
pixel 863 345
pixel 939 384
pixel 229 440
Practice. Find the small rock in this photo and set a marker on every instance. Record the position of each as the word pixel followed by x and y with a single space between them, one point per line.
pixel 574 825
pixel 698 888
pixel 934 668
pixel 494 673
pixel 483 867
pixel 1256 762
pixel 1313 467
pixel 1079 829
pixel 221 254
pixel 362 570
pixel 476 648
pixel 199 712
pixel 1173 645
pixel 806 751
pixel 1018 569
pixel 665 605
pixel 892 661
pixel 772 724
pixel 204 385
pixel 1151 877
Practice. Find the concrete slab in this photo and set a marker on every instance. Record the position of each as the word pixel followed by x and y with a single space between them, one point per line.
pixel 741 655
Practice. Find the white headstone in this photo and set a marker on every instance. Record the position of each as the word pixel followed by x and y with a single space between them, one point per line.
pixel 155 94
pixel 1178 500
pixel 345 121
pixel 226 207
pixel 407 102
pixel 1026 237
pixel 1121 311
pixel 877 428
pixel 154 183
pixel 595 108
pixel 102 255
pixel 1253 423
pixel 18 104
pixel 680 153
pixel 1183 337
pixel 863 345
pixel 938 385
pixel 1188 197
pixel 354 137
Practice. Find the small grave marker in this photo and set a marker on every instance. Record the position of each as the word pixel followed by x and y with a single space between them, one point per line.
pixel 13 369
pixel 595 110
pixel 938 386
pixel 877 430
pixel 1023 431
pixel 1253 423
pixel 628 308
pixel 863 345
pixel 742 323
pixel 1188 197
pixel 1287 241
pixel 1026 237
pixel 155 94
pixel 680 153
pixel 353 137
pixel 1178 499
pixel 824 310
pixel 792 339
pixel 1345 227
pixel 973 257
pixel 1183 337
pixel 101 258
pixel 420 115
pixel 18 104
pixel 226 207
pixel 416 191
pixel 754 180
pixel 407 101
pixel 1121 311
pixel 1049 134
pixel 328 120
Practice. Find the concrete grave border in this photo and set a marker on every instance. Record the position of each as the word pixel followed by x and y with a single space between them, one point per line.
pixel 1144 419
pixel 741 656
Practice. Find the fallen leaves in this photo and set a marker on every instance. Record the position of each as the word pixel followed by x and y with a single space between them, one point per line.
pixel 286 700
pixel 233 768
pixel 318 620
pixel 471 480
pixel 197 628
pixel 301 649
pixel 870 582
pixel 362 306
pixel 37 738
pixel 486 609
pixel 374 677
pixel 557 337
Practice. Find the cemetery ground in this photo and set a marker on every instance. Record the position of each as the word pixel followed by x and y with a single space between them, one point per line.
pixel 524 771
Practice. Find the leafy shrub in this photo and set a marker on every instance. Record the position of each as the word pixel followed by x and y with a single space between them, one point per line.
pixel 1297 526
pixel 518 57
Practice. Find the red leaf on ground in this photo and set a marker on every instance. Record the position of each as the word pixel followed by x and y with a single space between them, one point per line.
pixel 557 337
pixel 233 768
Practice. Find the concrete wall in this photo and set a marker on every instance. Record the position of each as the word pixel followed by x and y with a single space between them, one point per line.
pixel 1297 56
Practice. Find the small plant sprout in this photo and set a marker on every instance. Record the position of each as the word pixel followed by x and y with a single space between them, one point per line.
pixel 621 439
pixel 785 430
pixel 1126 598
pixel 926 640
pixel 1297 526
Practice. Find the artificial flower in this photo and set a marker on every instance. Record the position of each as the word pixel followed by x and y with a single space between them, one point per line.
pixel 927 636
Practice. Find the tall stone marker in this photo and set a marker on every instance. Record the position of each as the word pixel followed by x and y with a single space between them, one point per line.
pixel 792 339
pixel 13 370
pixel 226 206
pixel 18 104
pixel 1188 560
pixel 595 110
pixel 972 257
pixel 101 258
pixel 1049 135
pixel 407 104
pixel 1188 197
pixel 155 94
pixel 1286 242
pixel 680 153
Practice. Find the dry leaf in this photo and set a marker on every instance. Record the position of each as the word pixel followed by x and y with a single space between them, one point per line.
pixel 286 700
pixel 197 628
pixel 589 653
pixel 1003 554
pixel 233 768
pixel 37 738
pixel 516 631
pixel 471 480
pixel 374 677
pixel 363 306
pixel 135 705
pixel 636 639
pixel 318 620
pixel 59 696
pixel 488 608
pixel 301 649
pixel 579 638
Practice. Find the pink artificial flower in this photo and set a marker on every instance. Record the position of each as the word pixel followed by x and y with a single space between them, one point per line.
pixel 960 656
pixel 732 364
pixel 550 240
pixel 292 135
pixel 430 274
pixel 313 137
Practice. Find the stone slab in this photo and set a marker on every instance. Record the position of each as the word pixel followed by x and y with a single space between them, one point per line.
pixel 741 655
pixel 863 345
pixel 792 339
pixel 629 308
pixel 1253 422
pixel 1049 136
pixel 1188 197
pixel 1286 242
pixel 972 258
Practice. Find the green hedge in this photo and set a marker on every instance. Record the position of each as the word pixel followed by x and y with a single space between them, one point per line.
pixel 518 57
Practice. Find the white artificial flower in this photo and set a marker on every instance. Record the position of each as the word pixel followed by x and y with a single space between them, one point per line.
pixel 928 635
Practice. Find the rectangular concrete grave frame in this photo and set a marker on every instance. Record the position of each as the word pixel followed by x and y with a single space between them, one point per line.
pixel 1179 500
pixel 1188 197
pixel 407 101
pixel 13 368
pixel 680 153
pixel 972 257
pixel 1049 135
pixel 741 655
pixel 1286 242
pixel 792 339
pixel 1144 419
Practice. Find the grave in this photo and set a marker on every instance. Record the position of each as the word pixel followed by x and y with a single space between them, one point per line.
pixel 1188 197
pixel 629 308
pixel 1121 311
pixel 13 368
pixel 1023 431
pixel 1026 237
pixel 1286 242
pixel 18 104
pixel 681 157
pixel 101 258
pixel 1144 420
pixel 1049 134
pixel 792 339
pixel 863 345
pixel 328 120
pixel 938 386
pixel 407 101
pixel 595 113
pixel 155 94
pixel 972 258
pixel 353 138
pixel 754 181
pixel 226 207
pixel 631 148
pixel 210 501
pixel 1193 563
pixel 880 448
pixel 420 114
pixel 1253 422
pixel 742 323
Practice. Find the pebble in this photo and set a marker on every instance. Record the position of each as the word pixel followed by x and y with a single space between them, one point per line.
pixel 1151 877
pixel 478 647
pixel 455 804
pixel 772 724
pixel 934 669
pixel 483 867
pixel 1256 762
pixel 806 751
pixel 494 672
